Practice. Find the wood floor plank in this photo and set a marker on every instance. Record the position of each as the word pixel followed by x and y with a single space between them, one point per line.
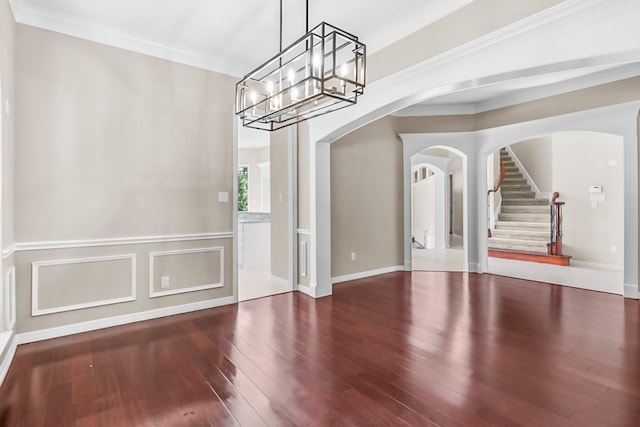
pixel 401 349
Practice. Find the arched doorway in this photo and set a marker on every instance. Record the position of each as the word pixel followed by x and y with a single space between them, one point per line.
pixel 437 206
pixel 449 162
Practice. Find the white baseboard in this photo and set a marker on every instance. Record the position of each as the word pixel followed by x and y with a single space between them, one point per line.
pixel 8 347
pixel 475 267
pixel 307 290
pixel 365 274
pixel 631 291
pixel 92 325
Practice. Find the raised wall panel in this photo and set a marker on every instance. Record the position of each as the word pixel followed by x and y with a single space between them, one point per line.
pixel 72 284
pixel 187 270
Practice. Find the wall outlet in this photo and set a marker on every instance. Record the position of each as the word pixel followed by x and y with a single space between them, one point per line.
pixel 165 282
pixel 353 256
pixel 614 249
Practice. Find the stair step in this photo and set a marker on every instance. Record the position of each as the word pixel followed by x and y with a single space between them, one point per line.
pixel 509 175
pixel 514 181
pixel 526 209
pixel 515 187
pixel 520 217
pixel 522 225
pixel 533 235
pixel 517 194
pixel 524 201
pixel 517 245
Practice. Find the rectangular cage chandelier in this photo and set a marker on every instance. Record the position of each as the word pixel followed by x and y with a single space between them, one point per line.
pixel 321 72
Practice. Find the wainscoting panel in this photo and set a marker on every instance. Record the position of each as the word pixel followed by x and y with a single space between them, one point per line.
pixel 185 270
pixel 303 258
pixel 72 284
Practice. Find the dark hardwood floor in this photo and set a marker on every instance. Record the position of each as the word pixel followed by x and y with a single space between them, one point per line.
pixel 415 349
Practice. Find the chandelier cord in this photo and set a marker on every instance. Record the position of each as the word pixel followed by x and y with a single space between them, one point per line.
pixel 280 25
pixel 306 26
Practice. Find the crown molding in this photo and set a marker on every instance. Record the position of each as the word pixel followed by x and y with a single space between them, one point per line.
pixel 60 23
pixel 519 96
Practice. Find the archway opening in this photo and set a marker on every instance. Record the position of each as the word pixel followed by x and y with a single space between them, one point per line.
pixel 437 211
pixel 586 169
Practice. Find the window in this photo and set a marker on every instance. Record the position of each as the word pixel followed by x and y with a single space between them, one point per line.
pixel 243 188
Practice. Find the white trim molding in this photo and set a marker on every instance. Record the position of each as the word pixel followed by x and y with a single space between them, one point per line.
pixel 35 267
pixel 153 255
pixel 302 259
pixel 10 297
pixel 8 251
pixel 365 274
pixel 92 325
pixel 8 346
pixel 631 291
pixel 89 243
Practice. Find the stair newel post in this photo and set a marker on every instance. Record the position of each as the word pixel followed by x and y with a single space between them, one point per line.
pixel 555 247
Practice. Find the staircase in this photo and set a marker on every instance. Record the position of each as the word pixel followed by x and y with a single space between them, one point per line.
pixel 524 222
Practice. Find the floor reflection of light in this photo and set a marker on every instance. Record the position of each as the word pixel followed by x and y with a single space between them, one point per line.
pixel 442 329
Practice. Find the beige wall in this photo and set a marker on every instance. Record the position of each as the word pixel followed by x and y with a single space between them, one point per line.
pixel 366 199
pixel 7 132
pixel 536 156
pixel 474 20
pixel 279 203
pixel 581 159
pixel 605 95
pixel 580 100
pixel 113 144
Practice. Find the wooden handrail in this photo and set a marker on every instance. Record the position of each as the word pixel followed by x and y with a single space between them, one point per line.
pixel 503 172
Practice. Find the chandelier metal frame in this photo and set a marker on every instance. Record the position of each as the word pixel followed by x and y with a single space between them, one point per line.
pixel 322 71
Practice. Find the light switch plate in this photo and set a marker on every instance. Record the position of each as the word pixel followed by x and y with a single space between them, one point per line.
pixel 223 197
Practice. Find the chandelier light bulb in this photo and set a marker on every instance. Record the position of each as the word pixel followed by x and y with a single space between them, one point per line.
pixel 316 61
pixel 344 70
